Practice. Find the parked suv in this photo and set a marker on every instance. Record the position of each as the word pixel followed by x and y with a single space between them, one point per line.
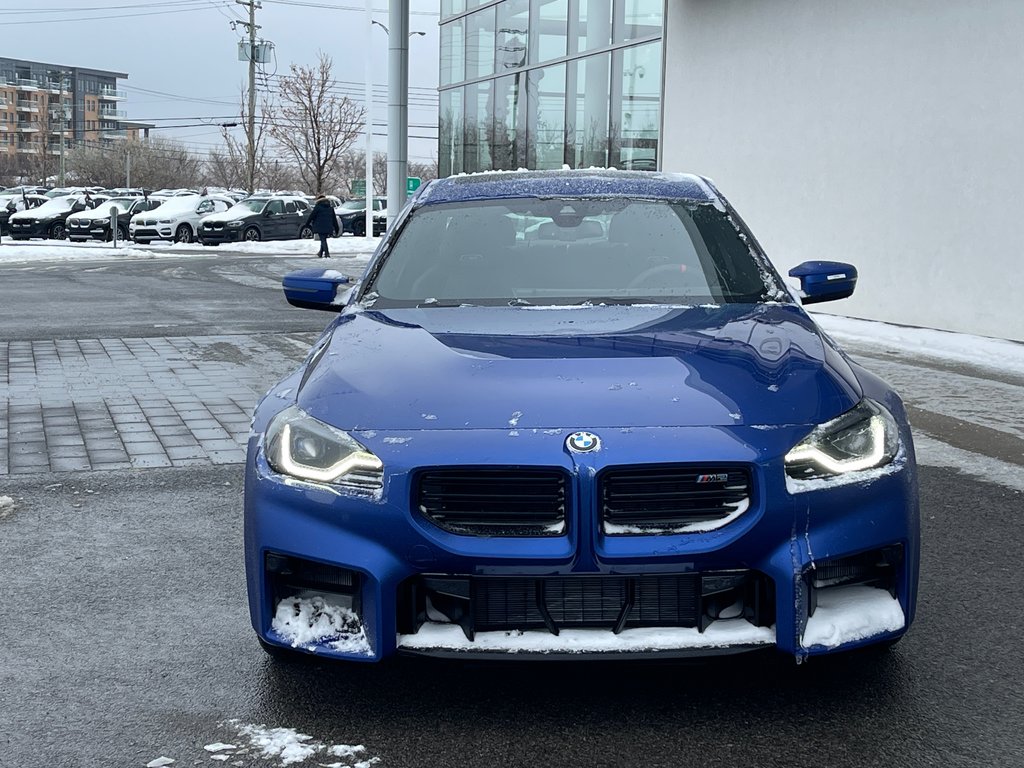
pixel 95 224
pixel 352 216
pixel 48 220
pixel 275 217
pixel 13 203
pixel 176 219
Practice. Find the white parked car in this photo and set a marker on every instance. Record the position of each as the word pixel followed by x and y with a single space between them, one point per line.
pixel 177 219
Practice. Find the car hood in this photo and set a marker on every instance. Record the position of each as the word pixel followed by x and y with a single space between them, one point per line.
pixel 224 218
pixel 32 215
pixel 580 368
pixel 86 215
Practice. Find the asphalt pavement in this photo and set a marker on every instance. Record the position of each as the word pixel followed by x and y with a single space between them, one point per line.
pixel 125 632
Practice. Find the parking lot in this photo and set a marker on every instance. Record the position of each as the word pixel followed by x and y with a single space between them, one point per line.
pixel 127 386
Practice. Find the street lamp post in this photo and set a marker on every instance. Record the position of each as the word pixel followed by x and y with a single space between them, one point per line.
pixel 398 110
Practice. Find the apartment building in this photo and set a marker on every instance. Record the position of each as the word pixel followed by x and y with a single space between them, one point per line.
pixel 43 105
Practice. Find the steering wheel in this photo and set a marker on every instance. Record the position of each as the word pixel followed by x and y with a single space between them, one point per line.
pixel 658 271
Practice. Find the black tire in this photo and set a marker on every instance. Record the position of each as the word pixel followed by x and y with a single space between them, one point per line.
pixel 122 234
pixel 252 235
pixel 57 231
pixel 358 228
pixel 306 233
pixel 183 234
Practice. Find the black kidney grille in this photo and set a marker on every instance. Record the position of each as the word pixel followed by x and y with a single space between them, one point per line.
pixel 494 501
pixel 668 499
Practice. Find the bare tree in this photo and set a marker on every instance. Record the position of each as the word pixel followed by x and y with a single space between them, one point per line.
pixel 155 163
pixel 351 166
pixel 314 125
pixel 228 168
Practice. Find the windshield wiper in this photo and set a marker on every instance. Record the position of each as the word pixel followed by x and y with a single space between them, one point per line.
pixel 517 302
pixel 444 304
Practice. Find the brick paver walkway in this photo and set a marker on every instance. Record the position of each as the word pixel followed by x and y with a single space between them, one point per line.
pixel 95 404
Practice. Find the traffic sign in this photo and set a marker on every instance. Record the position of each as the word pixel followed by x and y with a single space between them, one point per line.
pixel 358 187
pixel 412 183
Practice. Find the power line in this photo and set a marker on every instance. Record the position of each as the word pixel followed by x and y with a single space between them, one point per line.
pixel 117 16
pixel 307 4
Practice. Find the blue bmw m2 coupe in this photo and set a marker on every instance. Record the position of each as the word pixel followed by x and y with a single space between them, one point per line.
pixel 577 413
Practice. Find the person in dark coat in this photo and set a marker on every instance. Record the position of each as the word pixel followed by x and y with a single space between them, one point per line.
pixel 324 224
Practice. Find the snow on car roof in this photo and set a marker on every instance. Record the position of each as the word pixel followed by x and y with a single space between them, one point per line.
pixel 596 182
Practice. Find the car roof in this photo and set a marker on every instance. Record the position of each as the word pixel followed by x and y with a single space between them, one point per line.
pixel 503 185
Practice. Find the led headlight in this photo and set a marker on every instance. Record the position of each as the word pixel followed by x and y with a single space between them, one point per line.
pixel 864 437
pixel 236 223
pixel 298 445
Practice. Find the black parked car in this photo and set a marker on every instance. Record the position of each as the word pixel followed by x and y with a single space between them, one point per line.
pixel 94 223
pixel 48 220
pixel 276 217
pixel 12 203
pixel 352 216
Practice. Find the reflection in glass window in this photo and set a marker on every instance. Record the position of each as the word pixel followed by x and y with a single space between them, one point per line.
pixel 638 107
pixel 508 145
pixel 452 7
pixel 479 127
pixel 588 117
pixel 453 43
pixel 546 115
pixel 512 35
pixel 548 30
pixel 480 44
pixel 637 18
pixel 591 28
pixel 450 131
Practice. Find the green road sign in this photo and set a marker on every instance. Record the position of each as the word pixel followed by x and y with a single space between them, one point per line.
pixel 358 187
pixel 412 183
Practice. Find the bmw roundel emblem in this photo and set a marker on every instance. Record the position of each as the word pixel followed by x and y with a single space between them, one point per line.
pixel 583 442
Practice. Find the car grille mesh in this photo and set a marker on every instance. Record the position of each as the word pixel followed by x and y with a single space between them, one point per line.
pixel 671 499
pixel 494 501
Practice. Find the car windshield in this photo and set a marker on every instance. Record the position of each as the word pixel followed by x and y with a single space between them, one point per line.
pixel 353 205
pixel 247 207
pixel 122 204
pixel 177 205
pixel 569 251
pixel 57 205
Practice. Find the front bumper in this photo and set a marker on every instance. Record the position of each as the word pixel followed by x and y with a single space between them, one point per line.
pixel 223 235
pixel 22 230
pixel 384 564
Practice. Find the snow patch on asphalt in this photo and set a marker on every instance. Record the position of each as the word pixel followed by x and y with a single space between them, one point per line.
pixel 289 746
pixel 6 506
pixel 935 453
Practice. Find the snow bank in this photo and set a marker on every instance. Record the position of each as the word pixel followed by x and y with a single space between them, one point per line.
pixel 847 614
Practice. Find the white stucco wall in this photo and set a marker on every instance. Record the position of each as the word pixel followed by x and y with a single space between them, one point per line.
pixel 886 133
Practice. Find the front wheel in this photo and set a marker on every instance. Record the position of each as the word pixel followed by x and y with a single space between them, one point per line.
pixel 183 234
pixel 122 233
pixel 306 233
pixel 58 232
pixel 251 235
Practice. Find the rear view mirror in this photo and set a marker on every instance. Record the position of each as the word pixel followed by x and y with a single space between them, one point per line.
pixel 825 280
pixel 315 289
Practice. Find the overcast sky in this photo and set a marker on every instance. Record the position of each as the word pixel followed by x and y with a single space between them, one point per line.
pixel 181 56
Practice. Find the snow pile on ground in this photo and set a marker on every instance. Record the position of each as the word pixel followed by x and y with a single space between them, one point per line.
pixel 6 506
pixel 995 354
pixel 308 622
pixel 52 250
pixel 290 746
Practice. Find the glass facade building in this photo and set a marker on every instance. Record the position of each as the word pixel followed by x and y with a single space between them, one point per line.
pixel 545 83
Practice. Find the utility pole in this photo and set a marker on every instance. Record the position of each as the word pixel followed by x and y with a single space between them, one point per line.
pixel 251 27
pixel 63 119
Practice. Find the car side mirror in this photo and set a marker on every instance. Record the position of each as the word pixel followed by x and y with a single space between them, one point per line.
pixel 825 280
pixel 315 289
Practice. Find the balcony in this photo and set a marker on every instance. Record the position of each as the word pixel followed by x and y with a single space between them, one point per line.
pixel 28 149
pixel 111 94
pixel 108 113
pixel 28 127
pixel 28 106
pixel 114 135
pixel 25 84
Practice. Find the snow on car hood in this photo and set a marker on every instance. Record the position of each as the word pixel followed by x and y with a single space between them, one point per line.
pixel 226 216
pixel 505 367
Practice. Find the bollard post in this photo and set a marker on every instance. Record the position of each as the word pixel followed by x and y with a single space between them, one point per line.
pixel 113 224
